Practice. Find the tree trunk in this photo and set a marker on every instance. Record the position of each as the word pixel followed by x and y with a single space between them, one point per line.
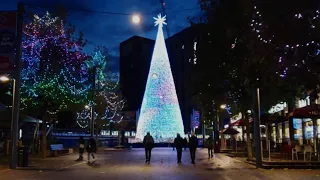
pixel 97 133
pixel 248 142
pixel 44 135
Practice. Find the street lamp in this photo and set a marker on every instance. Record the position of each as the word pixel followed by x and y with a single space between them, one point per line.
pixel 223 106
pixel 136 19
pixel 4 79
pixel 14 122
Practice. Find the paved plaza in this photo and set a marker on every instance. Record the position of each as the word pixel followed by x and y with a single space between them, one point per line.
pixel 129 164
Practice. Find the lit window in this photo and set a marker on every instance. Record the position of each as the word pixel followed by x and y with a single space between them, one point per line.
pixel 182 47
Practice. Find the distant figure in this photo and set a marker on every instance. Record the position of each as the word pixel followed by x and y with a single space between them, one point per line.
pixel 81 148
pixel 193 144
pixel 179 143
pixel 185 141
pixel 91 148
pixel 148 143
pixel 210 147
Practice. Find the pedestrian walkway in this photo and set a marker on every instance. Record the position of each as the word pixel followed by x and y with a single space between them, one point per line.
pixel 276 162
pixel 38 164
pixel 130 164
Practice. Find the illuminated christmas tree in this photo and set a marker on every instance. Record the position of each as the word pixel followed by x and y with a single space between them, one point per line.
pixel 108 110
pixel 160 111
pixel 53 64
pixel 108 104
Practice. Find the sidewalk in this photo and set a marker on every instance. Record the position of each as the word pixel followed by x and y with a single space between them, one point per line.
pixel 37 163
pixel 277 163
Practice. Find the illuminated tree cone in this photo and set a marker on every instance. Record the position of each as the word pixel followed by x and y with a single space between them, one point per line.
pixel 160 111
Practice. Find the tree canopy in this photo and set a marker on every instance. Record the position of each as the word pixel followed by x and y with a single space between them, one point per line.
pixel 252 44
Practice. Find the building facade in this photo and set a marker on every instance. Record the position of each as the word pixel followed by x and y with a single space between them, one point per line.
pixel 183 51
pixel 135 57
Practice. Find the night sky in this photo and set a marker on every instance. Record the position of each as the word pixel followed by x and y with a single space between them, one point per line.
pixel 111 29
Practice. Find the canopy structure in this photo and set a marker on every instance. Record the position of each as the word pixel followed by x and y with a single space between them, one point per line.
pixel 311 111
pixel 230 131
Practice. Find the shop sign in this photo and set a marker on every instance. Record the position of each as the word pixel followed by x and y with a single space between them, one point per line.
pixel 195 121
pixel 314 113
pixel 277 108
pixel 235 118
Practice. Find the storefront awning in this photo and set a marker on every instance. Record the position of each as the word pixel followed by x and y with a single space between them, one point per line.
pixel 230 131
pixel 241 122
pixel 311 111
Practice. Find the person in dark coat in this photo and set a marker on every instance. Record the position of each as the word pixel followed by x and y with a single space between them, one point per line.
pixel 210 147
pixel 193 144
pixel 148 143
pixel 91 148
pixel 179 143
pixel 81 148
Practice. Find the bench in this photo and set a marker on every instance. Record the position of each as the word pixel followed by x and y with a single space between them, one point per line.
pixel 58 149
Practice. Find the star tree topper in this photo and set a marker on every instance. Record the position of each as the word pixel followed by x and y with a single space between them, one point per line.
pixel 160 21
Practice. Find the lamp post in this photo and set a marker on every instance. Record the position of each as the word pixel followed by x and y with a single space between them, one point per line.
pixel 16 89
pixel 14 123
pixel 257 134
pixel 221 123
pixel 91 119
pixel 217 126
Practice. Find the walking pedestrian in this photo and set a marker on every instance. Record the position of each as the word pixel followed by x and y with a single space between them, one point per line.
pixel 179 142
pixel 91 149
pixel 148 143
pixel 193 144
pixel 210 146
pixel 81 148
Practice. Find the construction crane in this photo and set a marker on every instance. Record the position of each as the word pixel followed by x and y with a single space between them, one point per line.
pixel 163 6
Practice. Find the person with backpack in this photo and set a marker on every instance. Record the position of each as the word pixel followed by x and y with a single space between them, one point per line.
pixel 148 143
pixel 91 148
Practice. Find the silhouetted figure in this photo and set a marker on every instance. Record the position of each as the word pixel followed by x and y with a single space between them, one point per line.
pixel 91 148
pixel 210 147
pixel 81 148
pixel 179 143
pixel 193 144
pixel 148 143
